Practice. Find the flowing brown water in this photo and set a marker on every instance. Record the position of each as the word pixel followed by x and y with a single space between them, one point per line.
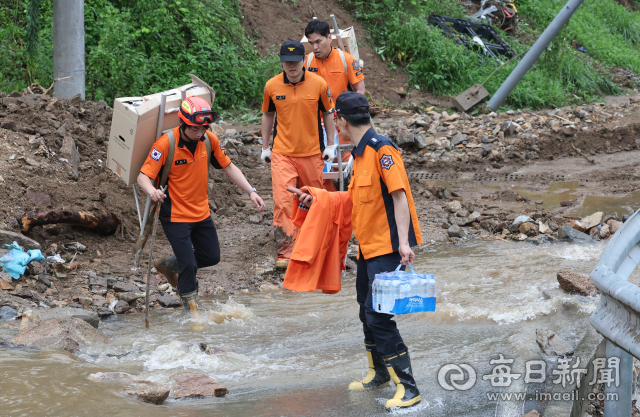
pixel 290 354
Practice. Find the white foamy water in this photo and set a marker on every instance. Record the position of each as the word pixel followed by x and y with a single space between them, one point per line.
pixel 295 353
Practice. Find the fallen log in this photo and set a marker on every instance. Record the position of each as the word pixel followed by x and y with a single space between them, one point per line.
pixel 103 222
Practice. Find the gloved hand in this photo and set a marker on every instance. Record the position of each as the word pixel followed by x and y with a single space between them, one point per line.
pixel 329 153
pixel 266 155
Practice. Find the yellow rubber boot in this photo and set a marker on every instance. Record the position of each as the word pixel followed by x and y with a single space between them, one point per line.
pixel 399 367
pixel 190 303
pixel 281 265
pixel 378 376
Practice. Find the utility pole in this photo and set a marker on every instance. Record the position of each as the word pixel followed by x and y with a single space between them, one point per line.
pixel 68 48
pixel 532 56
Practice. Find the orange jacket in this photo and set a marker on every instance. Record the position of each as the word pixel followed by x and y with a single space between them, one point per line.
pixel 317 260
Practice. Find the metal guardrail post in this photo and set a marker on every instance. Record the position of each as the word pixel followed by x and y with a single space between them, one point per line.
pixel 532 56
pixel 617 317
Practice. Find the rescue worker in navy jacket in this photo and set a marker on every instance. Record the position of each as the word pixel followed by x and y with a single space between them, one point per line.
pixel 386 226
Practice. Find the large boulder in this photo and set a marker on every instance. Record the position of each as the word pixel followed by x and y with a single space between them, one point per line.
pixel 67 333
pixel 7 313
pixel 192 385
pixel 551 344
pixel 149 392
pixel 575 283
pixel 573 236
pixel 44 314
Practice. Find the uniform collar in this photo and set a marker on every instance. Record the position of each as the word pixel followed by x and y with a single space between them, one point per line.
pixel 181 142
pixel 363 142
pixel 327 57
pixel 286 79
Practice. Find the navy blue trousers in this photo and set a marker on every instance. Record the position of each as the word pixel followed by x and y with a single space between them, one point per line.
pixel 378 328
pixel 195 246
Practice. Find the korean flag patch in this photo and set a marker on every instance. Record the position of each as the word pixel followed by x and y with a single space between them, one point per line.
pixel 386 161
pixel 156 154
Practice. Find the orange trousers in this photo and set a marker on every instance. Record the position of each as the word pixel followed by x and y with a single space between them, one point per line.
pixel 296 172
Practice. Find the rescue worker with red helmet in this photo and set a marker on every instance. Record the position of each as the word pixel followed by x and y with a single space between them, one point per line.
pixel 184 212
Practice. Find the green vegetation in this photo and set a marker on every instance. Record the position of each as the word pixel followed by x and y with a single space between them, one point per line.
pixel 141 47
pixel 400 33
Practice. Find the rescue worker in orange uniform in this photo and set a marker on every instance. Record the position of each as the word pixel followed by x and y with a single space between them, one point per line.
pixel 184 213
pixel 327 63
pixel 299 98
pixel 386 225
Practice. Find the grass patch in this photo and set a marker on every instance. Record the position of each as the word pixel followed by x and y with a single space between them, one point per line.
pixel 400 33
pixel 141 47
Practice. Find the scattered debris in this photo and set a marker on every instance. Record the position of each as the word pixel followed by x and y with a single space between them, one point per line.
pixel 102 222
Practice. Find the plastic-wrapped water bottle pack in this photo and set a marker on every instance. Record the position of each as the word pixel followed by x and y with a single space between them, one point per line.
pixel 401 292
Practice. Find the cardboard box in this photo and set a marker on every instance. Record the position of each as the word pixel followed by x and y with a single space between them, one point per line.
pixel 134 124
pixel 348 36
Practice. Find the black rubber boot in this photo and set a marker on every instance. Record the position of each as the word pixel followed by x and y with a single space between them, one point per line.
pixel 399 366
pixel 378 376
pixel 169 268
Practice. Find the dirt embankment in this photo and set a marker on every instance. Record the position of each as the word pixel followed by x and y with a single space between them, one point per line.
pixel 489 147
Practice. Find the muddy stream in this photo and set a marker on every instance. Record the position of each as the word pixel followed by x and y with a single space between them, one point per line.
pixel 289 354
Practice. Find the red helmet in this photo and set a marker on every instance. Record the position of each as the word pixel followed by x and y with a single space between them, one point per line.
pixel 195 111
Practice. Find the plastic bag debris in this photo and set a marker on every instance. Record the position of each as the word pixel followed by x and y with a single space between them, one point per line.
pixel 74 247
pixel 55 259
pixel 15 262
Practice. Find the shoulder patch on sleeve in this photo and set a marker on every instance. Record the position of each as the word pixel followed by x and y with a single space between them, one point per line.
pixel 156 154
pixel 386 161
pixel 355 64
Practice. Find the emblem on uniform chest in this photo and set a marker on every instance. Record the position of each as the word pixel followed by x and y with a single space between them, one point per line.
pixel 386 161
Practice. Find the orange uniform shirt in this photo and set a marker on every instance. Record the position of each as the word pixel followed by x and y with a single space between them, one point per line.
pixel 317 260
pixel 187 193
pixel 298 108
pixel 378 170
pixel 332 71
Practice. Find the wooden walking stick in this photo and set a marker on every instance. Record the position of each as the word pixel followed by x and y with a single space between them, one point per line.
pixel 153 240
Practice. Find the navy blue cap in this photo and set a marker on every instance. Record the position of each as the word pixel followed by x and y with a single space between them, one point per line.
pixel 350 102
pixel 291 51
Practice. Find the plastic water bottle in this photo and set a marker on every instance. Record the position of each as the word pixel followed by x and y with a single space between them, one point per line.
pixel 374 294
pixel 431 292
pixel 386 296
pixel 395 291
pixel 415 287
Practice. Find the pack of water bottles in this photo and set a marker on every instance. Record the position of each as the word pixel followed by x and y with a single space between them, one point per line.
pixel 401 292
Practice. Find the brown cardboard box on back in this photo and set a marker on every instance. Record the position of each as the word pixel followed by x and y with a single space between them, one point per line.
pixel 348 36
pixel 134 124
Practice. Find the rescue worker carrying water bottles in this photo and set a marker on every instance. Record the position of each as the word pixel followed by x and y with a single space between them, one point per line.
pixel 298 98
pixel 386 226
pixel 184 213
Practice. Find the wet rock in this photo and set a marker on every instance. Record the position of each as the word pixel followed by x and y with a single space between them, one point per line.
pixel 104 312
pixel 420 141
pixel 4 282
pixel 625 218
pixel 126 296
pixel 611 216
pixel 170 301
pixel 532 413
pixel 149 392
pixel 459 139
pixel 7 313
pixel 614 226
pixel 551 344
pixel 528 229
pixel 572 235
pixel 68 333
pixel 7 238
pixel 125 287
pixel 455 231
pixel 474 216
pixel 113 377
pixel 193 385
pixel 544 229
pixel 453 206
pixel 210 350
pixel 591 221
pixel 256 218
pixel 553 226
pixel 268 287
pixel 605 232
pixel 575 283
pixel 87 316
pixel 404 140
pixel 121 307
